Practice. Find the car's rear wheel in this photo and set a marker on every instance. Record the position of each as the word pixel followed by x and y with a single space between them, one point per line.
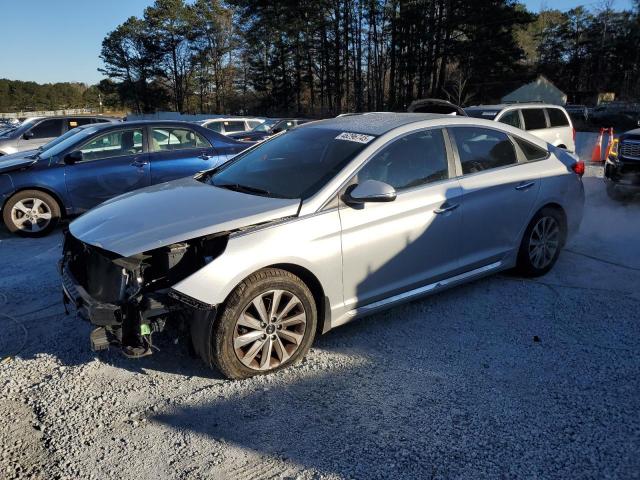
pixel 541 244
pixel 31 213
pixel 267 323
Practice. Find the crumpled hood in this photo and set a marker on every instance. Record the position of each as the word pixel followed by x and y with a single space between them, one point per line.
pixel 172 212
pixel 16 161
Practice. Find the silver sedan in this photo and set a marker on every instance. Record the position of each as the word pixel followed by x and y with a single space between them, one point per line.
pixel 335 220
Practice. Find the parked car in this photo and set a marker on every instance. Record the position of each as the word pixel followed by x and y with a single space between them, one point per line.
pixel 578 113
pixel 306 231
pixel 435 105
pixel 225 126
pixel 264 130
pixel 619 115
pixel 551 123
pixel 36 131
pixel 622 167
pixel 99 162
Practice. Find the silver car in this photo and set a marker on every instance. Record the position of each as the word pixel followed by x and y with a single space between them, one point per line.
pixel 307 231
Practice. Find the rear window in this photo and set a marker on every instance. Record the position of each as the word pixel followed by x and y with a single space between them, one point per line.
pixel 511 118
pixel 557 118
pixel 534 118
pixel 531 152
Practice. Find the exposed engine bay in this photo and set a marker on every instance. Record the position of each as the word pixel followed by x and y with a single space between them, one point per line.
pixel 129 299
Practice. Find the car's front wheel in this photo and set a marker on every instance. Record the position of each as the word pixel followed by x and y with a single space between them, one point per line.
pixel 267 323
pixel 31 213
pixel 541 244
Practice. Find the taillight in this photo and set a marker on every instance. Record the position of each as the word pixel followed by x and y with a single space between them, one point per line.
pixel 578 168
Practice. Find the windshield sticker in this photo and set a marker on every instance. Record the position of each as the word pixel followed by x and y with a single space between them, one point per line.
pixel 355 137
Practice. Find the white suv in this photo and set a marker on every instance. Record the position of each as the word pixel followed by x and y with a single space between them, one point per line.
pixel 229 125
pixel 551 123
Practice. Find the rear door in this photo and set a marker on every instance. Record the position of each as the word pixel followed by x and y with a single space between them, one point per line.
pixel 535 122
pixel 560 129
pixel 114 162
pixel 177 152
pixel 42 132
pixel 499 194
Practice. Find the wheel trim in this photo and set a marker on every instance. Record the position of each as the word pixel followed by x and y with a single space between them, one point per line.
pixel 31 215
pixel 269 330
pixel 544 242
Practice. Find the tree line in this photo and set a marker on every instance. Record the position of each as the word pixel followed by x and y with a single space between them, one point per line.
pixel 323 57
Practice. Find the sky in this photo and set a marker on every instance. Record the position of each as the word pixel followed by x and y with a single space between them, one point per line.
pixel 59 40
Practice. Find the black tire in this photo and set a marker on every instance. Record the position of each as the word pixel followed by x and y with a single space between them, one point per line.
pixel 221 330
pixel 43 225
pixel 525 265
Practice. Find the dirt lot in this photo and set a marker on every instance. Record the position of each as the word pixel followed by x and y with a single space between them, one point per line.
pixel 503 378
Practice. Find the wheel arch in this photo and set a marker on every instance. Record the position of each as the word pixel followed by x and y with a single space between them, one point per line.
pixel 557 207
pixel 48 191
pixel 312 282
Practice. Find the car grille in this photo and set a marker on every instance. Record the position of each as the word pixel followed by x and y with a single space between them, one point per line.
pixel 630 150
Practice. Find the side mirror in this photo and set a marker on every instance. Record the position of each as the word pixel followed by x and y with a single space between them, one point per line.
pixel 370 191
pixel 27 135
pixel 73 157
pixel 276 131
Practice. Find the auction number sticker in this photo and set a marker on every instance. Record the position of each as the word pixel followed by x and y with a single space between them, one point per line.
pixel 355 137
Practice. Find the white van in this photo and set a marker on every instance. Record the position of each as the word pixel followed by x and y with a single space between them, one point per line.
pixel 551 123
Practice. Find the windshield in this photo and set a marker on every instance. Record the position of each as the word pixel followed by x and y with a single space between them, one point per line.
pixel 487 114
pixel 70 141
pixel 20 129
pixel 295 165
pixel 265 126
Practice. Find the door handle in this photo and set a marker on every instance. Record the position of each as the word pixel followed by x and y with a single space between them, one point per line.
pixel 139 163
pixel 446 208
pixel 525 186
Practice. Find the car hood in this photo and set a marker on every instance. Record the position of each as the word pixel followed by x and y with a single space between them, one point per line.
pixel 17 161
pixel 172 212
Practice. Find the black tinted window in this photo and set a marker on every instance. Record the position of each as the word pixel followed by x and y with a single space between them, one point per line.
pixel 511 118
pixel 482 149
pixel 76 122
pixel 534 118
pixel 47 129
pixel 531 151
pixel 416 159
pixel 233 127
pixel 557 118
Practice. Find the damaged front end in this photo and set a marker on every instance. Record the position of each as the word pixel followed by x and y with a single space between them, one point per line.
pixel 130 298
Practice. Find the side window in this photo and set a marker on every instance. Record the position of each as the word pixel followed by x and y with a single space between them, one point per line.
pixel 47 129
pixel 163 139
pixel 413 160
pixel 557 118
pixel 237 126
pixel 534 118
pixel 511 118
pixel 531 152
pixel 253 123
pixel 215 126
pixel 113 144
pixel 483 149
pixel 76 122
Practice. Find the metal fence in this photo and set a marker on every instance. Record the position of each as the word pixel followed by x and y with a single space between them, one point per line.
pixel 49 113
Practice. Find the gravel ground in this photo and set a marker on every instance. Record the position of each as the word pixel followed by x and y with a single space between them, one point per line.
pixel 501 378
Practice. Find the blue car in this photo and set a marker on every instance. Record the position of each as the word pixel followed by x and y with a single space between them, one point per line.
pixel 98 162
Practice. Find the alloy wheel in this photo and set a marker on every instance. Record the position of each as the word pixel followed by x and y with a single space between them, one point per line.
pixel 544 242
pixel 269 330
pixel 31 215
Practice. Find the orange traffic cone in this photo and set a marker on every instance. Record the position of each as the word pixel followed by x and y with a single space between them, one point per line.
pixel 610 144
pixel 596 155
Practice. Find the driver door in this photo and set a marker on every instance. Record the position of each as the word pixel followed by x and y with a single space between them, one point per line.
pixel 396 246
pixel 113 163
pixel 41 133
